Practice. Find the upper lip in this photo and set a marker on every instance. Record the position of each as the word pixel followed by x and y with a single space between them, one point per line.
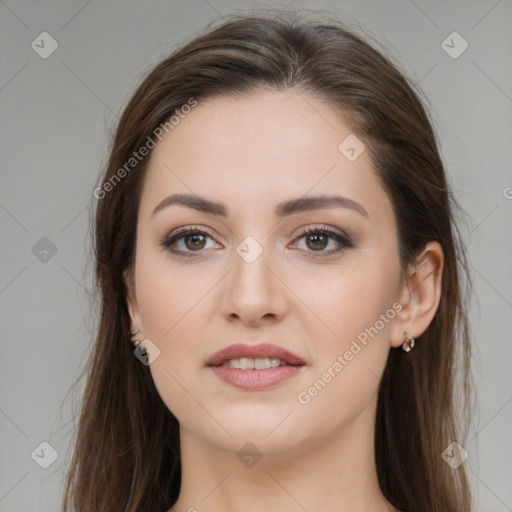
pixel 262 350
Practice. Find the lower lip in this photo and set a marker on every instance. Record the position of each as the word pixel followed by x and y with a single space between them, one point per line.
pixel 255 379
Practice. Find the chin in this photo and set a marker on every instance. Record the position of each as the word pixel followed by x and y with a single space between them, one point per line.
pixel 267 431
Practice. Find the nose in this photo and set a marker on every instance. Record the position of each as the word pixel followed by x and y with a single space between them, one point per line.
pixel 254 292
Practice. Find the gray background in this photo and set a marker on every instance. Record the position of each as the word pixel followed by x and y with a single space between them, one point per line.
pixel 56 115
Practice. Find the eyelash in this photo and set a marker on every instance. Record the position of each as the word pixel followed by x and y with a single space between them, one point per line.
pixel 181 233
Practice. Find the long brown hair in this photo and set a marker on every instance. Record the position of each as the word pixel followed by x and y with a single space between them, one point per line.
pixel 126 453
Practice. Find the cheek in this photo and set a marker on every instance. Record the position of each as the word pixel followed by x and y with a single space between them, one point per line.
pixel 167 294
pixel 171 309
pixel 358 309
pixel 175 314
pixel 346 378
pixel 349 299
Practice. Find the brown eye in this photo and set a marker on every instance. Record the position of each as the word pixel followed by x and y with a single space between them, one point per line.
pixel 188 240
pixel 194 242
pixel 318 241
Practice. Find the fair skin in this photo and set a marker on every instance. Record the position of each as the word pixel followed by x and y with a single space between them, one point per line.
pixel 252 154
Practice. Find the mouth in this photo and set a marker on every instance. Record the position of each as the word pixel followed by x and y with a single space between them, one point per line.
pixel 255 367
pixel 250 357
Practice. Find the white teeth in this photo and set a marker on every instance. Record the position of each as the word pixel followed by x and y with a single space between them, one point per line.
pixel 246 363
pixel 260 363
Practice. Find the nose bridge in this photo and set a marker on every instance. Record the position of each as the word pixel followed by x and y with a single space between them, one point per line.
pixel 254 291
pixel 251 260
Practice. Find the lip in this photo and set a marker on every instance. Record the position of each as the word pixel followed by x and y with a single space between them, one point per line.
pixel 255 379
pixel 254 352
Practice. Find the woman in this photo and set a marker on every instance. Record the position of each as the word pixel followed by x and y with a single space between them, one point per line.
pixel 275 244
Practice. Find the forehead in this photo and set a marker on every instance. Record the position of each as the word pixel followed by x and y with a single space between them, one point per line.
pixel 261 149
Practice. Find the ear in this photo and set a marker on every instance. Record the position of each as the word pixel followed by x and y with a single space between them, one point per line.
pixel 131 300
pixel 420 294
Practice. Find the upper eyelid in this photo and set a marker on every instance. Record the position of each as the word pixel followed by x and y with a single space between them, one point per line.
pixel 343 238
pixel 184 230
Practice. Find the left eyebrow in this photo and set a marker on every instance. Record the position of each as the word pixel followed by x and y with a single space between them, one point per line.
pixel 283 209
pixel 316 203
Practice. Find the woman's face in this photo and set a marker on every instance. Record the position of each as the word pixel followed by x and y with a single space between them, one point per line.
pixel 250 275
